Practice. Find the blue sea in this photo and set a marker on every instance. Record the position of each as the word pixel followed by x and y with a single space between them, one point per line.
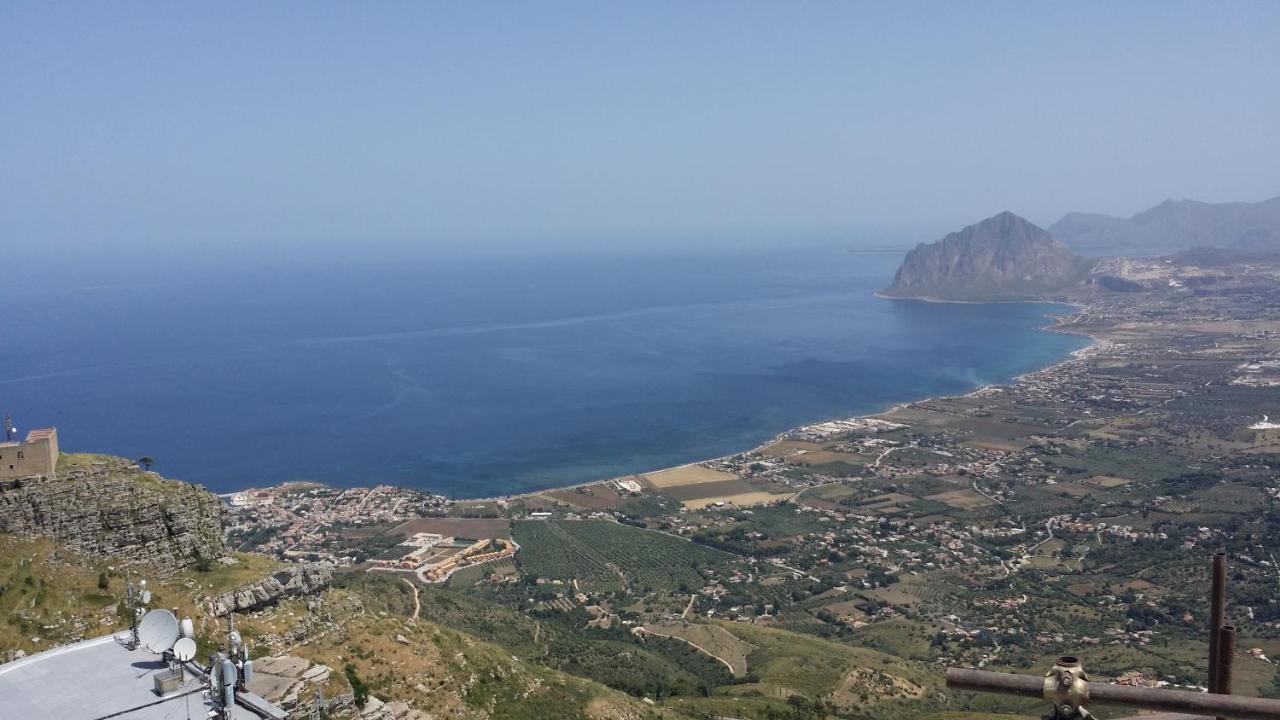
pixel 484 375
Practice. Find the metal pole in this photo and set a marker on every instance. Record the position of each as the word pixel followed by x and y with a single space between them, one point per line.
pixel 1226 657
pixel 1217 615
pixel 1173 701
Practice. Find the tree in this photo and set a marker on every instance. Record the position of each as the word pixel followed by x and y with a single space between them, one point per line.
pixel 359 689
pixel 146 462
pixel 103 582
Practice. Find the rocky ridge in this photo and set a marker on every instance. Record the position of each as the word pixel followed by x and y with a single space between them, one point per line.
pixel 1175 226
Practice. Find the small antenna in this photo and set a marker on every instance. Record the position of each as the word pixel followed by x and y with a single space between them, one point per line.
pixel 9 429
pixel 131 599
pixel 317 706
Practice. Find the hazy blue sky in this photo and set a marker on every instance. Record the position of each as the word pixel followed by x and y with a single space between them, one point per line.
pixel 144 125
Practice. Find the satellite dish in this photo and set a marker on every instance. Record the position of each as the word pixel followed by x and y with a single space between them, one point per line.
pixel 184 649
pixel 188 628
pixel 158 630
pixel 234 638
pixel 146 596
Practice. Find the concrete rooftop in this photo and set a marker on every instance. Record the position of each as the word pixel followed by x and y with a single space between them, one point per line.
pixel 95 679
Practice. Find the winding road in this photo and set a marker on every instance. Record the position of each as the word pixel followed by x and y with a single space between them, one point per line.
pixel 417 605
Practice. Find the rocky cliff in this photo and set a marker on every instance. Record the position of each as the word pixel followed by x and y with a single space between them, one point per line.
pixel 108 507
pixel 1004 257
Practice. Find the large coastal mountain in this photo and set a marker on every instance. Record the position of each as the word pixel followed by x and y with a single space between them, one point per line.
pixel 1174 226
pixel 1004 257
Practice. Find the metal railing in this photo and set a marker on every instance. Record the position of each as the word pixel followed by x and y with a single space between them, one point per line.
pixel 1068 688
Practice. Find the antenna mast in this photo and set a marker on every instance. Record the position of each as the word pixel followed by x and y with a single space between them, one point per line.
pixel 9 429
pixel 317 707
pixel 133 610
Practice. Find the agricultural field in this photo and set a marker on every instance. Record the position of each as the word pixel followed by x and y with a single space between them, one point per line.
pixel 461 528
pixel 686 475
pixel 609 556
pixel 599 496
pixel 697 487
pixel 548 551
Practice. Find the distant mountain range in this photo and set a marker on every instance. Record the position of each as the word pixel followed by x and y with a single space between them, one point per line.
pixel 1174 226
pixel 1004 257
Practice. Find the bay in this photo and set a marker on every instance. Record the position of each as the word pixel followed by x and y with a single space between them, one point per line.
pixel 485 375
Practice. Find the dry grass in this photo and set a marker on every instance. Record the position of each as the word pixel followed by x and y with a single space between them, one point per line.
pixel 594 497
pixel 686 475
pixel 1107 481
pixel 710 639
pixel 821 457
pixel 965 499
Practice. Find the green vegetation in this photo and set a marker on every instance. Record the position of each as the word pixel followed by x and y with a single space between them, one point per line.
pixel 358 687
pixel 608 556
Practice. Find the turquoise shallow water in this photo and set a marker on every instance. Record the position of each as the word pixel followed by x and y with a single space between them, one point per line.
pixel 481 376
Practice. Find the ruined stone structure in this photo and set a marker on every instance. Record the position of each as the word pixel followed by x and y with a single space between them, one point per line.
pixel 35 456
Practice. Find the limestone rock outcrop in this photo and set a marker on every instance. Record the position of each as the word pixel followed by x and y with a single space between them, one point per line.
pixel 293 581
pixel 112 508
pixel 1004 257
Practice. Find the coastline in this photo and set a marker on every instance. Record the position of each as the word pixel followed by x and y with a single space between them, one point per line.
pixel 925 298
pixel 1095 344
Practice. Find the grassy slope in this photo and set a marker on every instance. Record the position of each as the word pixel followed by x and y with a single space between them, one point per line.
pixel 41 585
pixel 449 674
pixel 440 670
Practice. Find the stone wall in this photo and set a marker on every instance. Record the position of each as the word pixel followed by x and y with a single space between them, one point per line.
pixel 115 510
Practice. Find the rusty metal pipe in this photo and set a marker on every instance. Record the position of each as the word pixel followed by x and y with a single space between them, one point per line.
pixel 1226 657
pixel 1217 616
pixel 1174 701
pixel 994 682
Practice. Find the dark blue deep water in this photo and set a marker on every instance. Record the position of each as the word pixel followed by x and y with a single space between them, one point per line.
pixel 481 376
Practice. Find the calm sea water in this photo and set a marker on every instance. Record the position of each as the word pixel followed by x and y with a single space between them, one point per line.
pixel 482 376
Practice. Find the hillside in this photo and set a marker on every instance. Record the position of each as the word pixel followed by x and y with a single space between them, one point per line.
pixel 108 507
pixel 328 639
pixel 1174 226
pixel 1004 257
pixel 51 595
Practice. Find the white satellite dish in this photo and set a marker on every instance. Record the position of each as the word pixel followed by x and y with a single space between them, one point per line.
pixel 146 597
pixel 184 649
pixel 158 630
pixel 188 628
